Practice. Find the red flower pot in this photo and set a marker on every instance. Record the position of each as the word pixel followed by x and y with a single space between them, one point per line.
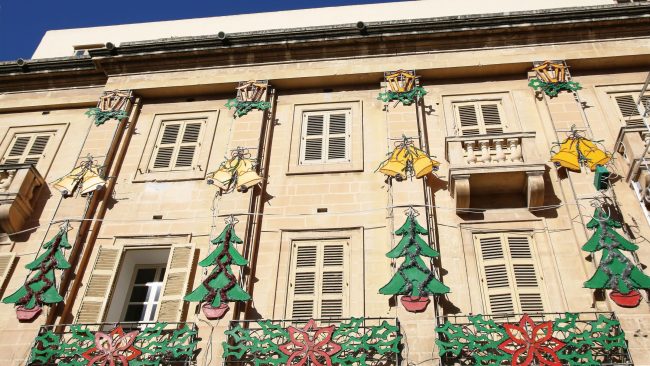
pixel 211 312
pixel 415 304
pixel 28 315
pixel 629 300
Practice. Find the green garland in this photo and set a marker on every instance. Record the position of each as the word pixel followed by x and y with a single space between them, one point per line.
pixel 406 98
pixel 100 116
pixel 243 107
pixel 553 89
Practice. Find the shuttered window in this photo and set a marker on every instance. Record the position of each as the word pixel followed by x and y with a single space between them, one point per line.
pixel 6 263
pixel 27 148
pixel 627 108
pixel 478 118
pixel 177 275
pixel 99 286
pixel 325 137
pixel 509 271
pixel 318 286
pixel 177 145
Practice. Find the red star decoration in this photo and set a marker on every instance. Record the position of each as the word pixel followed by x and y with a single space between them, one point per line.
pixel 528 342
pixel 317 349
pixel 112 347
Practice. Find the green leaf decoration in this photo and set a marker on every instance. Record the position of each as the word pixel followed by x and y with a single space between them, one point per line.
pixel 413 277
pixel 553 89
pixel 406 98
pixel 100 117
pixel 243 107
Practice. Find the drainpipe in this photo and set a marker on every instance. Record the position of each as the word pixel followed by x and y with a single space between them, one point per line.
pixel 107 193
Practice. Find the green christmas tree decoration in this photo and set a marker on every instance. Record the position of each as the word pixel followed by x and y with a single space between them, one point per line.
pixel 615 271
pixel 40 287
pixel 414 280
pixel 221 286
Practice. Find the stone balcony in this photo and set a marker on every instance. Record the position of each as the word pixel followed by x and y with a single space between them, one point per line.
pixel 506 164
pixel 20 185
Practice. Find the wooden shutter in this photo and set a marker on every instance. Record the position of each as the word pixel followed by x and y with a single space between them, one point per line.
pixel 318 286
pixel 509 275
pixel 6 263
pixel 176 283
pixel 100 285
pixel 177 145
pixel 627 108
pixel 478 118
pixel 325 137
pixel 27 148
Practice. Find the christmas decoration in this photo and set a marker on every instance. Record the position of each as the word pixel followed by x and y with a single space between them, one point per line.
pixel 111 105
pixel 414 280
pixel 311 345
pixel 249 97
pixel 401 87
pixel 221 285
pixel 590 339
pixel 86 177
pixel 152 344
pixel 552 78
pixel 615 271
pixel 112 347
pixel 576 150
pixel 354 342
pixel 40 288
pixel 406 161
pixel 236 172
pixel 528 342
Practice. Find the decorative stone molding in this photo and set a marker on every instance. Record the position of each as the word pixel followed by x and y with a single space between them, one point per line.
pixel 20 184
pixel 495 163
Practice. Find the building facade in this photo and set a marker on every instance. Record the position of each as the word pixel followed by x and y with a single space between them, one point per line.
pixel 347 165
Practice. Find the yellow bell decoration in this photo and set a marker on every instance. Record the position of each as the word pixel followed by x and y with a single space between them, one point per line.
pixel 396 165
pixel 422 163
pixel 222 177
pixel 236 172
pixel 592 153
pixel 246 175
pixel 85 177
pixel 407 160
pixel 568 156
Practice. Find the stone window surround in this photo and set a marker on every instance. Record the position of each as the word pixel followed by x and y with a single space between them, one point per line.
pixel 510 120
pixel 356 139
pixel 143 174
pixel 356 275
pixel 58 129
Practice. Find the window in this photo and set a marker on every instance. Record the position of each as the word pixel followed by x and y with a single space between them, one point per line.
pixel 144 294
pixel 627 108
pixel 509 273
pixel 6 264
pixel 325 137
pixel 27 148
pixel 318 286
pixel 478 118
pixel 177 145
pixel 130 283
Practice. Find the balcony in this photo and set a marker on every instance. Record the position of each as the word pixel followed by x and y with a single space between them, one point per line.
pixel 20 185
pixel 109 343
pixel 506 164
pixel 542 339
pixel 358 341
pixel 633 144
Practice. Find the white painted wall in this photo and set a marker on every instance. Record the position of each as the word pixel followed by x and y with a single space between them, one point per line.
pixel 61 43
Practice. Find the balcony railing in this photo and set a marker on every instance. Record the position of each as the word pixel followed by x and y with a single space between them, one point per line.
pixel 150 344
pixel 554 338
pixel 358 341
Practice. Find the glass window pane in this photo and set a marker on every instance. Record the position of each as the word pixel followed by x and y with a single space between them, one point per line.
pixel 156 289
pixel 153 313
pixel 145 275
pixel 139 294
pixel 162 274
pixel 134 313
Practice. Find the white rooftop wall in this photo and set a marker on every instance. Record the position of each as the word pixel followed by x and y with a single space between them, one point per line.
pixel 61 43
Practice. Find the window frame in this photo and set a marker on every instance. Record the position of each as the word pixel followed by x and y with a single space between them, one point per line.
pixel 57 131
pixel 145 171
pixel 510 119
pixel 150 307
pixel 354 141
pixel 325 136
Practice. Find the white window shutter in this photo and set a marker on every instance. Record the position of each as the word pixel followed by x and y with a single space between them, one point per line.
pixel 478 118
pixel 325 137
pixel 313 137
pixel 302 285
pixel 100 285
pixel 627 108
pixel 165 145
pixel 6 263
pixel 179 267
pixel 189 145
pixel 491 118
pixel 526 274
pixel 27 148
pixel 333 281
pixel 495 278
pixel 338 136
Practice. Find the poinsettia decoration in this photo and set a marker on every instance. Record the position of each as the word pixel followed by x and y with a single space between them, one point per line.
pixel 310 345
pixel 528 342
pixel 112 347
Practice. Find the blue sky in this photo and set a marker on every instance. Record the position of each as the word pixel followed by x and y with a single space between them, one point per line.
pixel 23 22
